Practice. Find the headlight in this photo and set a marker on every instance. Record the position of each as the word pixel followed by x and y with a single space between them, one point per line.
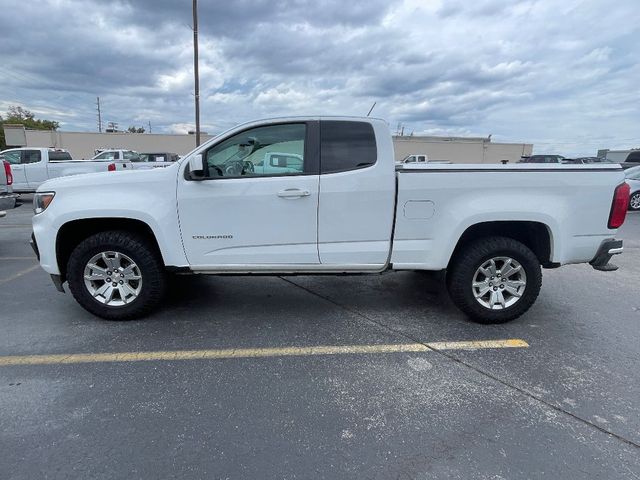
pixel 41 201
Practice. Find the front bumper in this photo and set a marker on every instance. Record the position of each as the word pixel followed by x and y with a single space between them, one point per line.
pixel 56 279
pixel 34 246
pixel 607 249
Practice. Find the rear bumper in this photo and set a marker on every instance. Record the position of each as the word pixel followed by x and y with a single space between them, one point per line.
pixel 607 249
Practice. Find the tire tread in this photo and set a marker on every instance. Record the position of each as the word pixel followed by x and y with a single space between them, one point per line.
pixel 145 255
pixel 464 265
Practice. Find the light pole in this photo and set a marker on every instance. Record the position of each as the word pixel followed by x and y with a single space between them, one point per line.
pixel 195 69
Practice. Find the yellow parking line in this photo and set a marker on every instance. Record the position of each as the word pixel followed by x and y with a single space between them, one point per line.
pixel 510 343
pixel 19 274
pixel 252 352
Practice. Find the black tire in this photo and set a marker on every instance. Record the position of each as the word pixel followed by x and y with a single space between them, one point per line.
pixel 464 265
pixel 635 196
pixel 141 251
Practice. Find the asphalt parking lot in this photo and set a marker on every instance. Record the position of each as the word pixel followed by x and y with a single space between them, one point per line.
pixel 228 381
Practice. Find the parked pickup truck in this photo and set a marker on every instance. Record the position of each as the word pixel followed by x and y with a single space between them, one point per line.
pixel 7 197
pixel 420 159
pixel 346 209
pixel 33 166
pixel 139 161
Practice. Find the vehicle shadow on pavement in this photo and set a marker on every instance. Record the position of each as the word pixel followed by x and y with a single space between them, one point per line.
pixel 199 295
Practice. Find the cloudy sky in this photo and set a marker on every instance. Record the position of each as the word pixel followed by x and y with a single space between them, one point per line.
pixel 563 75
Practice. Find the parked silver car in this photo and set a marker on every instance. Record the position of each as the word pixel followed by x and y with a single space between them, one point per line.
pixel 632 176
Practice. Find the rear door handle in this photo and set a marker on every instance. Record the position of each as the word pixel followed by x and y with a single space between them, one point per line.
pixel 293 193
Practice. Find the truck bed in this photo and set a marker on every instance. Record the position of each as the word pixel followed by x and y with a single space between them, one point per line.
pixel 436 204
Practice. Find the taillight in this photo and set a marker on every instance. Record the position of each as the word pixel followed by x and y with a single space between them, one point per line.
pixel 619 205
pixel 111 167
pixel 7 172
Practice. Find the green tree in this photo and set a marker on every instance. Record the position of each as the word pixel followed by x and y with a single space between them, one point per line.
pixel 133 129
pixel 22 116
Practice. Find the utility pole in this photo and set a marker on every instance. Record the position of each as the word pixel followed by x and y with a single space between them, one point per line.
pixel 99 115
pixel 195 70
pixel 149 126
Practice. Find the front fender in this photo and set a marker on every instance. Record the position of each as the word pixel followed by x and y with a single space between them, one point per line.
pixel 150 199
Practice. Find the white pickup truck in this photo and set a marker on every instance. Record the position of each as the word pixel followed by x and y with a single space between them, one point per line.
pixel 33 166
pixel 421 159
pixel 138 161
pixel 345 209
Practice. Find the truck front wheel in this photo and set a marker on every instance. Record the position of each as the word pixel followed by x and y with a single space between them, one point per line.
pixel 494 279
pixel 116 275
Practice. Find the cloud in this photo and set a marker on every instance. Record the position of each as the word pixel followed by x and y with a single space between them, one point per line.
pixel 560 75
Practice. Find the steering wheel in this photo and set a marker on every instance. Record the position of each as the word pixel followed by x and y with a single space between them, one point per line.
pixel 233 168
pixel 248 167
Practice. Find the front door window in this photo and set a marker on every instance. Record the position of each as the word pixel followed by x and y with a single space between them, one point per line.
pixel 270 150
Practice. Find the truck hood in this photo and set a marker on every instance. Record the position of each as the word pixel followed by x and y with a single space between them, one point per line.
pixel 109 179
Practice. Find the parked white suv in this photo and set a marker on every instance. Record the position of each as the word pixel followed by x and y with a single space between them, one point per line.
pixel 344 208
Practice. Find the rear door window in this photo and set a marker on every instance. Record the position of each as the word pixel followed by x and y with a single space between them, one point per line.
pixel 31 156
pixel 346 146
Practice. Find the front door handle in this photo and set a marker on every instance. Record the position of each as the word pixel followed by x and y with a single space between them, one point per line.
pixel 293 193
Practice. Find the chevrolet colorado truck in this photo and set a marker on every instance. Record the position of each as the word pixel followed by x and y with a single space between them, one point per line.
pixel 33 166
pixel 344 208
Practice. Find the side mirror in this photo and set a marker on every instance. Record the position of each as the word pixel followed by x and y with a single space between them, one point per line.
pixel 196 167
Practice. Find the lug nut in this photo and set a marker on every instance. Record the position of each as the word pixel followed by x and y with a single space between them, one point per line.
pixel 501 286
pixel 109 273
pixel 115 284
pixel 108 279
pixel 495 289
pixel 121 282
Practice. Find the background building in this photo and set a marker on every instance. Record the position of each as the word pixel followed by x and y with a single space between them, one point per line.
pixel 84 144
pixel 460 149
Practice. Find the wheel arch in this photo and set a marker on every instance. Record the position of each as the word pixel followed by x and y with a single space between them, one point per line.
pixel 73 232
pixel 537 236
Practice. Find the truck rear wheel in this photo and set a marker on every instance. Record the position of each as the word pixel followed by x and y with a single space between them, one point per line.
pixel 494 279
pixel 116 275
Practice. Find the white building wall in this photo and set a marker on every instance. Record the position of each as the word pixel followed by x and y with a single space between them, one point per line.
pixel 84 144
pixel 460 150
pixel 452 149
